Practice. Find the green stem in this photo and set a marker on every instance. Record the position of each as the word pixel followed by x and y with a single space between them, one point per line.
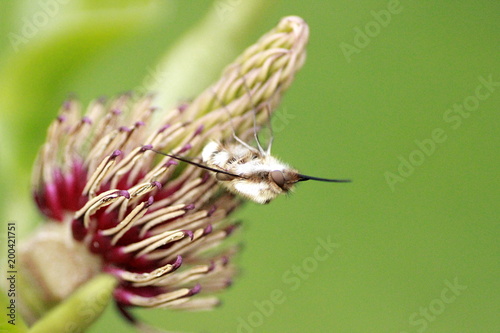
pixel 80 310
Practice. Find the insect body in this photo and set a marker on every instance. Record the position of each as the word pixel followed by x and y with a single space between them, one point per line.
pixel 252 173
pixel 258 177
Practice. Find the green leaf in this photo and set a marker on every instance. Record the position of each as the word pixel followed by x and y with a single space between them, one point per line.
pixel 80 310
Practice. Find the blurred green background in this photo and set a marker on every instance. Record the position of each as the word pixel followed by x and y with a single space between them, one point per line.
pixel 417 247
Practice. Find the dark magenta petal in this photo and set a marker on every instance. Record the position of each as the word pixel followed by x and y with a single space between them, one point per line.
pixel 100 244
pixel 78 230
pixel 52 202
pixel 117 255
pixel 141 263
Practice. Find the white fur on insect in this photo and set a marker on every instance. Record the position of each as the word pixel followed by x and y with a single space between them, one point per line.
pixel 258 176
pixel 252 173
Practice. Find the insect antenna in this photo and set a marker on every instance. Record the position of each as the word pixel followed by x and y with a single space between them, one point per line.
pixel 200 165
pixel 304 178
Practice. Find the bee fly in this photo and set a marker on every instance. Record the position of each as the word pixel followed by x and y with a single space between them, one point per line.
pixel 248 171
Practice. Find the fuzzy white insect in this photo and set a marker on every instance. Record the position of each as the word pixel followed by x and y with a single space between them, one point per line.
pixel 253 174
pixel 248 171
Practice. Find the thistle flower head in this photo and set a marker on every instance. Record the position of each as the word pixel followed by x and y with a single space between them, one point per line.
pixel 158 225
